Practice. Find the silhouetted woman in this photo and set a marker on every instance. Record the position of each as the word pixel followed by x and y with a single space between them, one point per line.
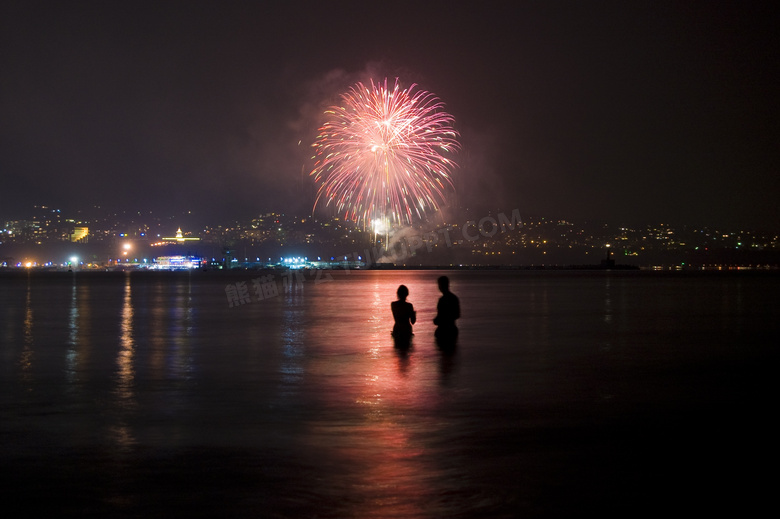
pixel 404 315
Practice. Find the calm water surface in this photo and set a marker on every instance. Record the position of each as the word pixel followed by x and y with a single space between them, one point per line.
pixel 619 393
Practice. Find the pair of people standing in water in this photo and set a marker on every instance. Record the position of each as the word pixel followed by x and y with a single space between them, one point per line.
pixel 447 312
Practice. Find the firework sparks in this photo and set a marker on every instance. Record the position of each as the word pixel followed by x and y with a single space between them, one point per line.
pixel 383 154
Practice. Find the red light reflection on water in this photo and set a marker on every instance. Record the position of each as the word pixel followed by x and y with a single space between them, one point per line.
pixel 377 429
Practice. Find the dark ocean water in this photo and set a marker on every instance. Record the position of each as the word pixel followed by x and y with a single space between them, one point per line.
pixel 625 394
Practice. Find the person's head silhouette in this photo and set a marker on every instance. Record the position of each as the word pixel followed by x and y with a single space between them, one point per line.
pixel 444 284
pixel 403 292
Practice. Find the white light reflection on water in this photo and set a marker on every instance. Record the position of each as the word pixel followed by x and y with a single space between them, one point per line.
pixel 125 369
pixel 73 333
pixel 293 329
pixel 124 391
pixel 180 332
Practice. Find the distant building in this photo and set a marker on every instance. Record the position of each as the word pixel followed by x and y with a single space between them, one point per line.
pixel 180 237
pixel 177 262
pixel 79 234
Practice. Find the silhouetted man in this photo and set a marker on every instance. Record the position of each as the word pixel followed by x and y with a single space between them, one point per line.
pixel 447 312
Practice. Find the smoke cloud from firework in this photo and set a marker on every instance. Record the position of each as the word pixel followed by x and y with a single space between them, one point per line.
pixel 384 153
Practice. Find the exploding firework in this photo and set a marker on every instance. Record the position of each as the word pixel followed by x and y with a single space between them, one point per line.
pixel 383 154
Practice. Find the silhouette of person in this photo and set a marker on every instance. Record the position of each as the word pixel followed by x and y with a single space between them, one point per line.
pixel 404 315
pixel 447 312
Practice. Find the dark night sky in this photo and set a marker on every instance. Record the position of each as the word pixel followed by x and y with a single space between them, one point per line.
pixel 632 112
